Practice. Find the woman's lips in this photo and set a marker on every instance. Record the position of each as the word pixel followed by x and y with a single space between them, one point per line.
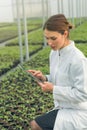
pixel 53 47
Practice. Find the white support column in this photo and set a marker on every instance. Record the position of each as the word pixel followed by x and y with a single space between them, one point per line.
pixel 25 31
pixel 19 31
pixel 43 17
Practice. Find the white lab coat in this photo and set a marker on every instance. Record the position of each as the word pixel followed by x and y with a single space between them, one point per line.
pixel 68 73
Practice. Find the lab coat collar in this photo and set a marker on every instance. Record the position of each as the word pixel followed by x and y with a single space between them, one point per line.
pixel 67 48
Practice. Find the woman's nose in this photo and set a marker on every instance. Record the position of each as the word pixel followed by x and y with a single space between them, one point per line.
pixel 49 42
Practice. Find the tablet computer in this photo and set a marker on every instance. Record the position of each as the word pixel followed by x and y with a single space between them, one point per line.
pixel 30 74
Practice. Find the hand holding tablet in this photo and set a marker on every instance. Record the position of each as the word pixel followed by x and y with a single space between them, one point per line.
pixel 31 75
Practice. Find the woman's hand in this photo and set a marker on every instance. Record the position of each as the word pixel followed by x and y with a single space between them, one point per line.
pixel 38 74
pixel 46 86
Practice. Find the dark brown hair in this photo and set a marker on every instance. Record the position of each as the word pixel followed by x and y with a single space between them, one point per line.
pixel 57 23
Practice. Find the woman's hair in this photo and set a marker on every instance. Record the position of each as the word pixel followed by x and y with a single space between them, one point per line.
pixel 57 23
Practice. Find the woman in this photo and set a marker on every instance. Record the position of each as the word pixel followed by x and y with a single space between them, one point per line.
pixel 67 80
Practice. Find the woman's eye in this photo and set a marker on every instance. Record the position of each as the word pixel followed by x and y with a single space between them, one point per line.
pixel 47 38
pixel 53 38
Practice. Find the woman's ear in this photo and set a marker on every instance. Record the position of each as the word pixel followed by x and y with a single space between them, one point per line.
pixel 66 33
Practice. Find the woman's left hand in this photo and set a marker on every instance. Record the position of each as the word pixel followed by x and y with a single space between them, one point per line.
pixel 46 86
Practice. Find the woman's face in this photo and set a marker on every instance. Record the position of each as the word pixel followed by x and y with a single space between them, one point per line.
pixel 56 40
